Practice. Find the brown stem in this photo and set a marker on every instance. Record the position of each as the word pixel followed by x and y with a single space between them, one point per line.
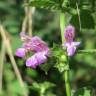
pixel 2 56
pixel 24 24
pixel 27 22
pixel 9 50
pixel 24 27
pixel 30 21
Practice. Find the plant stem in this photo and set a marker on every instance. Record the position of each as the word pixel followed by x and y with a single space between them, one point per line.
pixel 42 92
pixel 30 22
pixel 27 22
pixel 78 15
pixel 62 26
pixel 66 72
pixel 67 83
pixel 87 51
pixel 13 62
pixel 2 64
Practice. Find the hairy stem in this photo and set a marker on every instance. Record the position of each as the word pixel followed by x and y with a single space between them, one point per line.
pixel 67 83
pixel 62 26
pixel 66 72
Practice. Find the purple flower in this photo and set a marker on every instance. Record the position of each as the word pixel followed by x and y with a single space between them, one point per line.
pixel 37 59
pixel 20 52
pixel 69 33
pixel 70 44
pixel 24 37
pixel 71 47
pixel 33 44
pixel 36 44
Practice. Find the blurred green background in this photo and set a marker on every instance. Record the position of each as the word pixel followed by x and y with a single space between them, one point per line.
pixel 46 25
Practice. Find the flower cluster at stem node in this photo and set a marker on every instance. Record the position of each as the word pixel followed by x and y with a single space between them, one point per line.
pixel 36 45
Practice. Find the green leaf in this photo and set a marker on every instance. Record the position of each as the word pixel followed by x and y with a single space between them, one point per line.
pixel 2 93
pixel 16 88
pixel 84 92
pixel 8 74
pixel 61 58
pixel 42 86
pixel 16 43
pixel 46 67
pixel 62 65
pixel 47 4
pixel 31 72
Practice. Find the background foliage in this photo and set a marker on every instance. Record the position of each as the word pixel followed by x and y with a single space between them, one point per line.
pixel 46 25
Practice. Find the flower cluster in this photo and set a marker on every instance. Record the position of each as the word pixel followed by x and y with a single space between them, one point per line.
pixel 36 45
pixel 70 44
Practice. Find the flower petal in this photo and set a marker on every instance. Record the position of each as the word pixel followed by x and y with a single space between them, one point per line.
pixel 38 44
pixel 31 62
pixel 20 52
pixel 36 59
pixel 24 37
pixel 66 44
pixel 71 50
pixel 41 58
pixel 69 33
pixel 71 47
pixel 76 43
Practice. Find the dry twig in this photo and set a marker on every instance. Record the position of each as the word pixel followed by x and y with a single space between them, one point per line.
pixel 9 50
pixel 27 22
pixel 2 56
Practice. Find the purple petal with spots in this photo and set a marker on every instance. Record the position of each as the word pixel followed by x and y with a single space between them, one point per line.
pixel 35 44
pixel 69 33
pixel 20 52
pixel 70 44
pixel 38 44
